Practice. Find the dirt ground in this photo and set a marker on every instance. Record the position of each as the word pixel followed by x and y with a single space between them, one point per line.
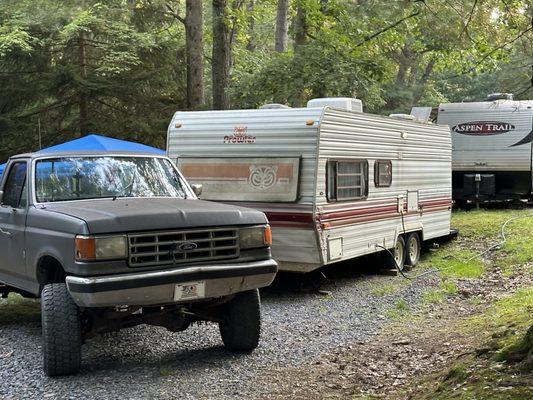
pixel 403 361
pixel 439 352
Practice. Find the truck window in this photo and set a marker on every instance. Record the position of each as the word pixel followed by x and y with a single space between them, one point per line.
pixel 82 178
pixel 14 189
pixel 383 173
pixel 347 180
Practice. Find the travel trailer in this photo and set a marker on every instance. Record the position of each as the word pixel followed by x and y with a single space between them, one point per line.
pixel 492 148
pixel 335 183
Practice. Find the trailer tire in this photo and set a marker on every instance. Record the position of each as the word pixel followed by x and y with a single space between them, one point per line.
pixel 240 327
pixel 61 327
pixel 413 249
pixel 399 253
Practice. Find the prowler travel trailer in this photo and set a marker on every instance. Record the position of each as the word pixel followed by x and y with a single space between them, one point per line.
pixel 492 148
pixel 335 183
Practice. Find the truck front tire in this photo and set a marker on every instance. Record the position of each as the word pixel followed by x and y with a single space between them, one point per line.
pixel 240 327
pixel 61 325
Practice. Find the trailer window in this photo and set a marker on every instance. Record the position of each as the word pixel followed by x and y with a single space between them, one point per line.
pixel 383 173
pixel 347 180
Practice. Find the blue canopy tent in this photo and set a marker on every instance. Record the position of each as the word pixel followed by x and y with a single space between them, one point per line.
pixel 95 143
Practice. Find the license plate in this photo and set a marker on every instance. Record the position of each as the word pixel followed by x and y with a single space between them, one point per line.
pixel 189 290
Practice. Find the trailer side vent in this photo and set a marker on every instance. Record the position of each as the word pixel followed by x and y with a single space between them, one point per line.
pixel 500 96
pixel 273 106
pixel 344 103
pixel 403 116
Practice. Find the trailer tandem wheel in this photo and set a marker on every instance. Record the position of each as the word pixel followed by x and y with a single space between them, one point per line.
pixel 399 252
pixel 413 247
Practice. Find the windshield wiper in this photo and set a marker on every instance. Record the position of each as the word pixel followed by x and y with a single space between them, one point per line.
pixel 123 191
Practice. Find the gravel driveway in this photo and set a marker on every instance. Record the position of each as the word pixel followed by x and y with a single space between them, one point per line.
pixel 150 362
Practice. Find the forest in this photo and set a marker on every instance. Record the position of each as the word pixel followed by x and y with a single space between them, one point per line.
pixel 123 67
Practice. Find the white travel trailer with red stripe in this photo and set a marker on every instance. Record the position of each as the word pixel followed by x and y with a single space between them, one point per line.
pixel 335 183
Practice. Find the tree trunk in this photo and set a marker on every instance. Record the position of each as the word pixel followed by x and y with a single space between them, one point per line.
pixel 421 87
pixel 300 38
pixel 83 102
pixel 195 54
pixel 250 46
pixel 221 55
pixel 300 25
pixel 282 26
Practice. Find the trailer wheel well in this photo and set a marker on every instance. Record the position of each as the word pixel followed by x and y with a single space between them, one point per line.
pixel 50 270
pixel 420 233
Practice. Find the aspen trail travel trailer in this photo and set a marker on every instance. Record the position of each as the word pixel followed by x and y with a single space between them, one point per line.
pixel 335 184
pixel 492 148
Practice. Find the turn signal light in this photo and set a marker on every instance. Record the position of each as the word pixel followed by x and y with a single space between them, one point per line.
pixel 268 236
pixel 85 248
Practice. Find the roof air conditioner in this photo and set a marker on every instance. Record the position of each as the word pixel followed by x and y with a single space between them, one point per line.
pixel 344 103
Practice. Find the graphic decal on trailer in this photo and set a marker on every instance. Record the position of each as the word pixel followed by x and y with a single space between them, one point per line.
pixel 527 139
pixel 483 128
pixel 267 179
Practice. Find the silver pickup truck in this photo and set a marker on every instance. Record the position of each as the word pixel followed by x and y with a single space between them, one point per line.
pixel 111 240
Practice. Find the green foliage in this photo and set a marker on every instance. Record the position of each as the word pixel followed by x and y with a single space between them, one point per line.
pixel 129 73
pixel 132 71
pixel 17 309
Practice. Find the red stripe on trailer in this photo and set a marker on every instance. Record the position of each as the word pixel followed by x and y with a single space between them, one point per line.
pixel 290 217
pixel 349 217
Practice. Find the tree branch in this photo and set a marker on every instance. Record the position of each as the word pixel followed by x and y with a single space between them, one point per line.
pixel 175 14
pixel 387 28
pixel 487 55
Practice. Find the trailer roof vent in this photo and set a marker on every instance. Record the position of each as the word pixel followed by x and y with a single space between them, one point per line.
pixel 500 96
pixel 403 116
pixel 273 106
pixel 345 103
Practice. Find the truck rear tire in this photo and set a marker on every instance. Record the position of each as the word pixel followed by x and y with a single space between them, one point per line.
pixel 240 327
pixel 413 249
pixel 61 325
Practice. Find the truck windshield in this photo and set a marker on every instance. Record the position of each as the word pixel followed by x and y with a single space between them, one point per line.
pixel 79 178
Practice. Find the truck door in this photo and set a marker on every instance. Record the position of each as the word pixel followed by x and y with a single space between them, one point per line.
pixel 13 210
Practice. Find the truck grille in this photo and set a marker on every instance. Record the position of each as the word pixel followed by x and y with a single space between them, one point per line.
pixel 178 247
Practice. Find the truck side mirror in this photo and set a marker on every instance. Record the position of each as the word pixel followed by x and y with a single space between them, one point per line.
pixel 197 189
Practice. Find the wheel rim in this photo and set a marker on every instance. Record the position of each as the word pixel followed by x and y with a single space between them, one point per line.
pixel 398 253
pixel 413 249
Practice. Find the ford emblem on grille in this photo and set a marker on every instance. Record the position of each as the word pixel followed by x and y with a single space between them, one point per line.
pixel 187 246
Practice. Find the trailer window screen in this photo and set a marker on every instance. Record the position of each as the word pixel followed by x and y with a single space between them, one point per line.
pixel 347 180
pixel 383 173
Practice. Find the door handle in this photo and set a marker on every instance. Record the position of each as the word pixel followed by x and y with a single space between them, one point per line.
pixel 5 232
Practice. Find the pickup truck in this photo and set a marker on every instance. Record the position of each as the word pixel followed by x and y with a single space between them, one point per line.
pixel 113 240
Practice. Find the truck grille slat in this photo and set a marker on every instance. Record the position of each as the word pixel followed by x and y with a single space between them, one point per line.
pixel 163 248
pixel 169 243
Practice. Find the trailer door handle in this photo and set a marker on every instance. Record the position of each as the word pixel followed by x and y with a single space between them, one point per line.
pixel 5 232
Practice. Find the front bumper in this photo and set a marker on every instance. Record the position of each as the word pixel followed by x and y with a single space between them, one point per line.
pixel 157 287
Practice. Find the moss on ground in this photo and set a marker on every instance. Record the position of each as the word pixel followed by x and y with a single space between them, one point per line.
pixel 503 369
pixel 385 290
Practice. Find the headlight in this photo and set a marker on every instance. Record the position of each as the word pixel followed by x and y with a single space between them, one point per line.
pixel 258 236
pixel 91 248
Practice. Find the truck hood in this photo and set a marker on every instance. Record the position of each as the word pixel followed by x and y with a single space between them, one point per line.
pixel 149 214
